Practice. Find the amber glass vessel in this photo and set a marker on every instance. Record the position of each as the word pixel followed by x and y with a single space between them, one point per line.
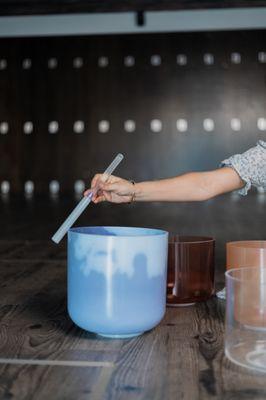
pixel 246 253
pixel 190 275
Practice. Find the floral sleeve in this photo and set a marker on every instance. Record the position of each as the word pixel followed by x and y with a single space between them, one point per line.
pixel 250 166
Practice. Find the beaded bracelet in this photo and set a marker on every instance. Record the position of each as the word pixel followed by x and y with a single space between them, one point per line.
pixel 133 195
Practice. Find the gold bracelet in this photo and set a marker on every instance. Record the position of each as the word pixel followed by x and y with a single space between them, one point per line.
pixel 133 194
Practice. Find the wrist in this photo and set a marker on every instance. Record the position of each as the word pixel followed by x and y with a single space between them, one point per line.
pixel 148 191
pixel 141 191
pixel 133 194
pixel 138 192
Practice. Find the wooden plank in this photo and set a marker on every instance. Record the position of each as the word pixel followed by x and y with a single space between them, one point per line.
pixel 163 363
pixel 32 250
pixel 33 317
pixel 57 363
pixel 181 358
pixel 40 383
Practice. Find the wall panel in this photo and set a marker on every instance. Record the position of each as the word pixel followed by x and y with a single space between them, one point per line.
pixel 207 90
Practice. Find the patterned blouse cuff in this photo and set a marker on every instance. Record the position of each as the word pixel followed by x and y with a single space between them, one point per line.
pixel 232 162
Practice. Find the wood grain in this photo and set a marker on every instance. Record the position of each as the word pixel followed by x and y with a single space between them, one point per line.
pixel 182 358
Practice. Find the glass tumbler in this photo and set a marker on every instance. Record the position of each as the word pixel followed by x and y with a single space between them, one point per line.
pixel 246 253
pixel 245 335
pixel 190 276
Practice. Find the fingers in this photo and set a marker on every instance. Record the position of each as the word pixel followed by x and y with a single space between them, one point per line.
pixel 99 199
pixel 112 198
pixel 95 180
pixel 113 184
pixel 114 189
pixel 120 188
pixel 110 187
pixel 113 179
pixel 102 196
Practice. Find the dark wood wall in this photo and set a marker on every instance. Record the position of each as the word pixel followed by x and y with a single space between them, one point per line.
pixel 20 7
pixel 69 79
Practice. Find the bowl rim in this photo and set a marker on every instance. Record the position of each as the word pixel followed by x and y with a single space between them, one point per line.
pixel 159 232
pixel 229 273
pixel 198 239
pixel 248 244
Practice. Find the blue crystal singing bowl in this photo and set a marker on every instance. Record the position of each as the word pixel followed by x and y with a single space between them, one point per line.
pixel 117 279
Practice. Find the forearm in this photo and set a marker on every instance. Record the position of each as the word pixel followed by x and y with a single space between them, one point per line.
pixel 194 186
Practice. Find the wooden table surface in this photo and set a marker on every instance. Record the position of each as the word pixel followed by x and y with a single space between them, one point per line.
pixel 43 355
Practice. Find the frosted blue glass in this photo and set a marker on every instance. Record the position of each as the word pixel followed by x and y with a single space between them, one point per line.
pixel 117 279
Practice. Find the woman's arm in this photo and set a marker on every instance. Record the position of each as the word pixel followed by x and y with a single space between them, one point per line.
pixel 239 172
pixel 194 186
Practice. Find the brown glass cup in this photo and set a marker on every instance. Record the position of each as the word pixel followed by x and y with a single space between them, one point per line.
pixel 252 254
pixel 190 276
pixel 246 253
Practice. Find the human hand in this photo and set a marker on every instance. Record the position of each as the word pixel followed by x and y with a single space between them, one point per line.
pixel 114 190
